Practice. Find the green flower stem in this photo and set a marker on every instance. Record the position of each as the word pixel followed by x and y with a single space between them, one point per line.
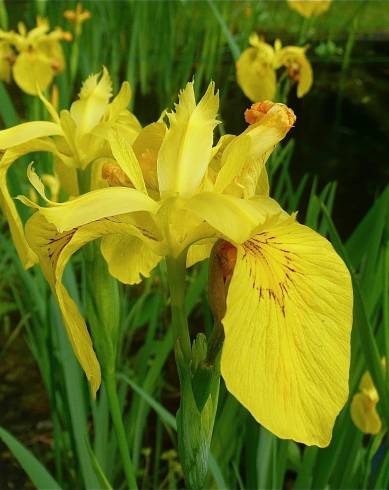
pixel 114 405
pixel 176 271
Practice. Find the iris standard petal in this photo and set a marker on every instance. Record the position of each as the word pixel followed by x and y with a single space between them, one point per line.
pixel 126 158
pixel 93 102
pixel 244 158
pixel 186 149
pixel 287 329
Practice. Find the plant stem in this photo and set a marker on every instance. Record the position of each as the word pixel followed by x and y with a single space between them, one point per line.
pixel 176 271
pixel 114 405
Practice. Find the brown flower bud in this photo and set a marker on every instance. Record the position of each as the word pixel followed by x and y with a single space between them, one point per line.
pixel 221 266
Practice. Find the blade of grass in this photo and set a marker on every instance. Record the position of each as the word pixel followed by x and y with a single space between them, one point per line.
pixel 38 474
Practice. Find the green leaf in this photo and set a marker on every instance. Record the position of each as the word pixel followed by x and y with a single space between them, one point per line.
pixel 38 474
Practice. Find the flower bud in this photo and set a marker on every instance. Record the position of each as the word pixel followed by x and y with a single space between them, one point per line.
pixel 221 266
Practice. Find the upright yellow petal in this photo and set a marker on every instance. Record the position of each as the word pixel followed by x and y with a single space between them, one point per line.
pixel 363 405
pixel 287 327
pixel 126 158
pixel 146 148
pixel 364 414
pixel 186 149
pixel 243 160
pixel 93 102
pixel 120 101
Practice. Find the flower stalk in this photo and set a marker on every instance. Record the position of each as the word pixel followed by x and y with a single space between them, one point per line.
pixel 199 384
pixel 176 270
pixel 114 406
pixel 103 314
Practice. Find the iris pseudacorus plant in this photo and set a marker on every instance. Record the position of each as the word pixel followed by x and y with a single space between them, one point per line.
pixel 280 293
pixel 256 68
pixel 78 140
pixel 33 57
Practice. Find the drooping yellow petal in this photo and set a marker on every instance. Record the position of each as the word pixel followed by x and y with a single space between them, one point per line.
pixel 26 255
pixel 98 204
pixel 298 67
pixel 364 414
pixel 27 131
pixel 186 149
pixel 287 331
pixel 309 8
pixel 93 102
pixel 32 72
pixel 129 259
pixel 54 250
pixel 232 217
pixel 255 74
pixel 200 251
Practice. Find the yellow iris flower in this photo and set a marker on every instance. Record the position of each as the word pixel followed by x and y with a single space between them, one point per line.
pixel 298 67
pixel 77 138
pixel 255 72
pixel 310 8
pixel 36 56
pixel 257 65
pixel 363 406
pixel 77 17
pixel 289 299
